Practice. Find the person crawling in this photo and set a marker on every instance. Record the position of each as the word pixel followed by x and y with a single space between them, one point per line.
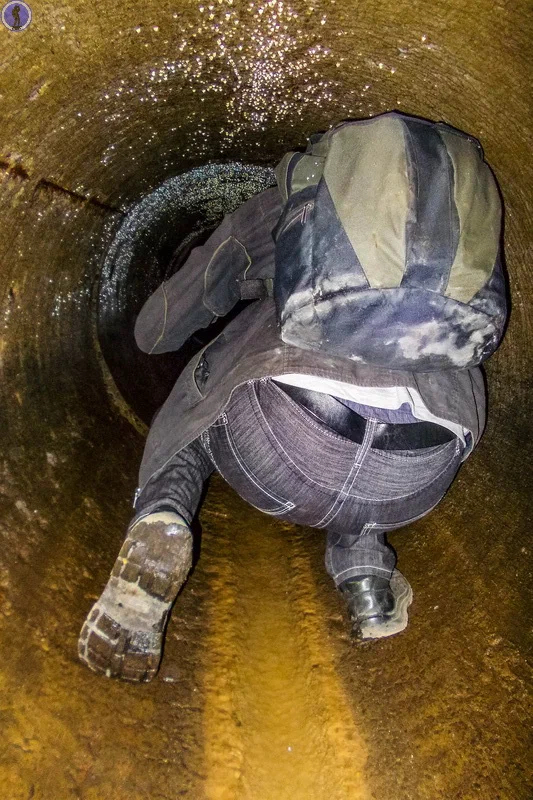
pixel 346 396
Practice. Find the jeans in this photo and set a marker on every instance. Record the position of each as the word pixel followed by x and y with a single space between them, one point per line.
pixel 286 463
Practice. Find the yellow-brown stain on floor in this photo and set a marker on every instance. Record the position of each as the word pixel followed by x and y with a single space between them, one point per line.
pixel 261 694
pixel 247 705
pixel 277 722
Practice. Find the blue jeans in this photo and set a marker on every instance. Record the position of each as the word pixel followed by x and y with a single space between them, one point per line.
pixel 284 462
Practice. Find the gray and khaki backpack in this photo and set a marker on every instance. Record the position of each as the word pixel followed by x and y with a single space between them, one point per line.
pixel 388 247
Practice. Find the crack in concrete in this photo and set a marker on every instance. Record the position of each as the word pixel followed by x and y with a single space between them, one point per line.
pixel 16 171
pixel 49 186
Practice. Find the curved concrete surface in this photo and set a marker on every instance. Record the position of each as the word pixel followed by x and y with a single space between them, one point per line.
pixel 261 695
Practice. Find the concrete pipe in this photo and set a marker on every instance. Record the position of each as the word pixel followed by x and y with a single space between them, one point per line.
pixel 128 129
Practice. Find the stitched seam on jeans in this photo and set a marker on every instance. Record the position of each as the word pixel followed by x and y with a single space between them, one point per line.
pixel 296 467
pixel 207 444
pixel 217 424
pixel 384 527
pixel 368 526
pixel 365 447
pixel 285 505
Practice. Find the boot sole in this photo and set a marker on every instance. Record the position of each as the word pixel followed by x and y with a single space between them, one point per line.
pixel 397 622
pixel 122 636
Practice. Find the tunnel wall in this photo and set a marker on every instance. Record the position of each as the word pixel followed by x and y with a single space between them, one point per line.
pixel 100 103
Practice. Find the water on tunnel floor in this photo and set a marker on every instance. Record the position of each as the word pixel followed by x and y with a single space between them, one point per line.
pixel 261 694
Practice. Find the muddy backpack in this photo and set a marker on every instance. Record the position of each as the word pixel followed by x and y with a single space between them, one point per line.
pixel 388 247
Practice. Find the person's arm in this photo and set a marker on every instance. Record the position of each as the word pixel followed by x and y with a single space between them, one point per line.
pixel 205 288
pixel 232 265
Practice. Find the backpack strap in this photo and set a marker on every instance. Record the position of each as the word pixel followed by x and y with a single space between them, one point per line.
pixel 296 171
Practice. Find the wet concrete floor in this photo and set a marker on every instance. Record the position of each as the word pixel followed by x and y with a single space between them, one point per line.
pixel 261 693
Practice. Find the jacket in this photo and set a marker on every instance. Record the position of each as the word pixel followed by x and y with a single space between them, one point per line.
pixel 237 262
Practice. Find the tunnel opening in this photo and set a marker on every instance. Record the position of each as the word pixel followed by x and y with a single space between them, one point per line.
pixel 152 243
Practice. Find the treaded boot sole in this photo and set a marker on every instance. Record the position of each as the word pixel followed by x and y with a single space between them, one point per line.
pixel 379 627
pixel 122 636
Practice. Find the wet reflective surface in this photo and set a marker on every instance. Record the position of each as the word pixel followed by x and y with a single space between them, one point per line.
pixel 261 694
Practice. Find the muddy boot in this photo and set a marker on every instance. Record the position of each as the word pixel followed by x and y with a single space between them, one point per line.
pixel 377 606
pixel 122 636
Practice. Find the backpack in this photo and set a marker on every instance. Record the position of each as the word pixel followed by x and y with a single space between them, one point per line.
pixel 388 247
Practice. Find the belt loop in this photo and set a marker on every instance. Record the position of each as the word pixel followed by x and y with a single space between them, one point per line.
pixel 370 432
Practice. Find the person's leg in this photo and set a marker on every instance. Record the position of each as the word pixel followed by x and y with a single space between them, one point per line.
pixel 393 489
pixel 178 486
pixel 123 634
pixel 362 565
pixel 363 551
pixel 286 463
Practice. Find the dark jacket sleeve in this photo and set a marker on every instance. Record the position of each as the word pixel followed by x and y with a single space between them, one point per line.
pixel 208 285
